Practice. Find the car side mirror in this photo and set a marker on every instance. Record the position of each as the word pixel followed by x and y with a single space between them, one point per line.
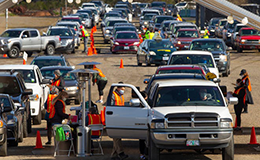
pixel 24 36
pixel 146 81
pixel 216 80
pixel 223 90
pixel 28 92
pixel 45 81
pixel 135 102
pixel 233 100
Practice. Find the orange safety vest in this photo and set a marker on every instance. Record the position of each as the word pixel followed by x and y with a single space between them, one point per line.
pixel 56 83
pixel 99 72
pixel 94 119
pixel 249 83
pixel 119 101
pixel 49 104
pixel 237 92
pixel 52 111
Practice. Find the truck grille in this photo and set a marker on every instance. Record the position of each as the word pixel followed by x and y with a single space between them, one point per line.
pixel 192 120
pixel 252 42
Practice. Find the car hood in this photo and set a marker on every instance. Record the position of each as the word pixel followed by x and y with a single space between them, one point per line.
pixel 214 70
pixel 186 39
pixel 253 37
pixel 71 83
pixel 127 40
pixel 161 51
pixel 217 52
pixel 5 38
pixel 161 112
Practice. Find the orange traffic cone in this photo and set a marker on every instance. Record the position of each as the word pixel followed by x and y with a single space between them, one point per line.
pixel 121 64
pixel 235 123
pixel 102 117
pixel 5 55
pixel 94 50
pixel 38 141
pixel 90 52
pixel 24 62
pixel 253 137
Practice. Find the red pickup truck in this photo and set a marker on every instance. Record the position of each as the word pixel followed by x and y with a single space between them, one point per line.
pixel 247 38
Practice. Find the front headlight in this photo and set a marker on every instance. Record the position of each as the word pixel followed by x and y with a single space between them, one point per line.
pixel 229 34
pixel 157 123
pixel 152 53
pixel 116 43
pixel 145 23
pixel 243 40
pixel 1 123
pixel 136 43
pixel 179 42
pixel 223 58
pixel 34 97
pixel 107 31
pixel 72 88
pixel 225 123
pixel 5 41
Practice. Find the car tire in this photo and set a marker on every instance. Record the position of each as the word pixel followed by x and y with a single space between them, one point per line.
pixel 138 63
pixel 77 101
pixel 29 54
pixel 239 50
pixel 154 152
pixel 25 132
pixel 106 41
pixel 228 152
pixel 29 123
pixel 258 50
pixel 13 143
pixel 3 147
pixel 50 50
pixel 14 52
pixel 20 139
pixel 225 74
pixel 38 119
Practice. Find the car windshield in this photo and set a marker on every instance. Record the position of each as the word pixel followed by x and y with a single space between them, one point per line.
pixel 192 59
pixel 213 22
pixel 207 46
pixel 181 4
pixel 187 34
pixel 126 36
pixel 158 5
pixel 64 73
pixel 124 29
pixel 111 23
pixel 85 16
pixel 71 19
pixel 85 11
pixel 48 62
pixel 11 33
pixel 72 26
pixel 148 16
pixel 247 32
pixel 189 96
pixel 161 19
pixel 88 5
pixel 28 75
pixel 142 5
pixel 111 15
pixel 59 32
pixel 222 23
pixel 176 28
pixel 150 12
pixel 160 45
pixel 232 26
pixel 166 24
pixel 5 101
pixel 9 85
pixel 198 71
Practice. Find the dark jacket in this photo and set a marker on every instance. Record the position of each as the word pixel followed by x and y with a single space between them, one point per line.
pixel 62 83
pixel 59 115
pixel 249 98
pixel 241 96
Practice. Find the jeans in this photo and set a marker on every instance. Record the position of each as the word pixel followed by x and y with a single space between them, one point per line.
pixel 85 44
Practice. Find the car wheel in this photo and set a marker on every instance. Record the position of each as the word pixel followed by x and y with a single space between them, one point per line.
pixel 77 101
pixel 20 139
pixel 228 152
pixel 138 63
pixel 37 119
pixel 29 123
pixel 13 143
pixel 239 50
pixel 14 52
pixel 25 132
pixel 3 147
pixel 50 50
pixel 225 74
pixel 106 41
pixel 154 152
pixel 146 62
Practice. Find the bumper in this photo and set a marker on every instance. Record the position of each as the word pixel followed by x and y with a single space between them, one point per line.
pixel 66 49
pixel 107 36
pixel 35 107
pixel 125 49
pixel 2 135
pixel 182 46
pixel 73 94
pixel 160 60
pixel 249 46
pixel 208 138
pixel 3 49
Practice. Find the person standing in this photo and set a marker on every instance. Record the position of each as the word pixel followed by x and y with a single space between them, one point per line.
pixel 118 100
pixel 247 85
pixel 151 34
pixel 240 93
pixel 57 81
pixel 206 33
pixel 101 80
pixel 85 36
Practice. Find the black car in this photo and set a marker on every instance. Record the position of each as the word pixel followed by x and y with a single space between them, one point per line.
pixel 3 131
pixel 14 119
pixel 212 26
pixel 155 23
pixel 219 50
pixel 164 77
pixel 42 61
pixel 72 85
pixel 12 83
pixel 228 29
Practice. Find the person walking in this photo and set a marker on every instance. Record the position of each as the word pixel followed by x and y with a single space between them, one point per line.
pixel 101 80
pixel 118 100
pixel 247 84
pixel 206 33
pixel 85 36
pixel 57 81
pixel 240 93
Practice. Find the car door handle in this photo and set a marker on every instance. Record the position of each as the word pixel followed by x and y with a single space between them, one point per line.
pixel 109 112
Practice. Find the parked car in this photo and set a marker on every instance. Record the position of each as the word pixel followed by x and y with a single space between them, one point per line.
pixel 234 34
pixel 155 23
pixel 12 83
pixel 96 15
pixel 42 61
pixel 154 51
pixel 14 119
pixel 184 37
pixel 247 39
pixel 101 5
pixel 219 50
pixel 14 41
pixel 67 38
pixel 125 42
pixel 194 57
pixel 164 28
pixel 212 26
pixel 195 69
pixel 71 86
pixel 34 80
pixel 3 131
pixel 220 27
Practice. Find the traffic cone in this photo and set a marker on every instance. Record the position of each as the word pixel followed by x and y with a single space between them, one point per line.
pixel 235 123
pixel 90 52
pixel 24 62
pixel 5 55
pixel 121 64
pixel 253 137
pixel 94 50
pixel 38 141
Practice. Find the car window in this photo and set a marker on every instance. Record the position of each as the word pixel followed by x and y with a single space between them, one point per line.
pixel 59 32
pixel 4 101
pixel 161 19
pixel 126 36
pixel 9 85
pixel 34 33
pixel 49 74
pixel 188 96
pixel 246 32
pixel 160 44
pixel 193 34
pixel 176 28
pixel 48 62
pixel 28 75
pixel 11 33
pixel 39 75
pixel 26 33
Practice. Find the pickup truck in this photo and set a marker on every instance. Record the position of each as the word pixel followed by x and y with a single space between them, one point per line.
pixel 14 41
pixel 247 38
pixel 179 114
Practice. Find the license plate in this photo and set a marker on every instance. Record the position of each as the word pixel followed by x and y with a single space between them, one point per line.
pixel 252 47
pixel 126 47
pixel 165 58
pixel 192 143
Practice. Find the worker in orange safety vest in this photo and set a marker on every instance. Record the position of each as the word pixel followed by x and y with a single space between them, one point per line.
pixel 57 81
pixel 247 83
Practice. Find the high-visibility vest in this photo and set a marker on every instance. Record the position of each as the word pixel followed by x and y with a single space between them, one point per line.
pixel 52 111
pixel 56 83
pixel 49 102
pixel 206 33
pixel 94 119
pixel 119 101
pixel 249 83
pixel 84 32
pixel 237 92
pixel 147 35
pixel 151 35
pixel 99 72
pixel 179 18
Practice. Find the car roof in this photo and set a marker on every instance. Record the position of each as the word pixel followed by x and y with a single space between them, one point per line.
pixel 68 22
pixel 18 66
pixel 4 95
pixel 192 52
pixel 168 67
pixel 70 17
pixel 58 27
pixel 57 67
pixel 207 39
pixel 49 57
pixel 247 28
pixel 185 24
pixel 124 26
pixel 187 29
pixel 186 82
pixel 21 29
pixel 126 32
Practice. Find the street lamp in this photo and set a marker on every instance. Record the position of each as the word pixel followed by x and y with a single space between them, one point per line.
pixel 78 1
pixel 14 1
pixel 28 1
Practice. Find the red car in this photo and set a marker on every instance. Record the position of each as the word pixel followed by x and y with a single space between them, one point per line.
pixel 247 38
pixel 184 37
pixel 125 42
pixel 180 69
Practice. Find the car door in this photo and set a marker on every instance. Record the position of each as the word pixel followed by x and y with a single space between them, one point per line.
pixel 26 41
pixel 35 40
pixel 127 121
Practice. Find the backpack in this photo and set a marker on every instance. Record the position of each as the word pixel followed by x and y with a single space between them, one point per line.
pixel 60 135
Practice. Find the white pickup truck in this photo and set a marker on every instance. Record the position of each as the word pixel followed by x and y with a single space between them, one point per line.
pixel 13 41
pixel 33 79
pixel 179 114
